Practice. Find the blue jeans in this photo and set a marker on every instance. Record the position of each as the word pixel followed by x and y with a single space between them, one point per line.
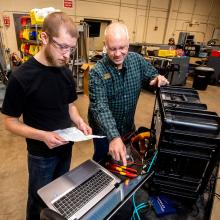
pixel 101 148
pixel 43 170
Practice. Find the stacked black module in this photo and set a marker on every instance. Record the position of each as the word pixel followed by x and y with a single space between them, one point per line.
pixel 187 137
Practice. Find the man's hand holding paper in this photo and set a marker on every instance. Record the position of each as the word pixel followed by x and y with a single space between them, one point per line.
pixel 74 134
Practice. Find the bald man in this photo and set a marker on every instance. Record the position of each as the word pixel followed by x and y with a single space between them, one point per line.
pixel 115 84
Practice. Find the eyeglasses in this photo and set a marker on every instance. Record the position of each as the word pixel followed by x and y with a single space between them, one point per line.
pixel 122 49
pixel 63 48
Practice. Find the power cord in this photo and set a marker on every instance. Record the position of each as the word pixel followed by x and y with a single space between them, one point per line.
pixel 137 208
pixel 152 161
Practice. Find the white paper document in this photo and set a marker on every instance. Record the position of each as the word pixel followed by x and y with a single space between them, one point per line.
pixel 74 134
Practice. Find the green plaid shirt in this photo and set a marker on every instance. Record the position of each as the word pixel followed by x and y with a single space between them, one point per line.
pixel 114 94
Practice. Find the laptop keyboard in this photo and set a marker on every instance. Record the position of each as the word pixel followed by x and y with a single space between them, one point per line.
pixel 70 203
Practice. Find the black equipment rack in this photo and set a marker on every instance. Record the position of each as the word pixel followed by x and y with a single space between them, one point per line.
pixel 188 138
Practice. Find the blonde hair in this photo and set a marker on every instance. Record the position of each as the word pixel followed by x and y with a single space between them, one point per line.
pixel 116 27
pixel 55 20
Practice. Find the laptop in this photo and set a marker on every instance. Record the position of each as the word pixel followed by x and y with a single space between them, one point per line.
pixel 76 192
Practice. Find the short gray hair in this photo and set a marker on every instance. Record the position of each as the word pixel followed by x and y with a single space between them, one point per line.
pixel 116 26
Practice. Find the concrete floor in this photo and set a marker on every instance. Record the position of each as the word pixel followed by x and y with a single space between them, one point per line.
pixel 13 166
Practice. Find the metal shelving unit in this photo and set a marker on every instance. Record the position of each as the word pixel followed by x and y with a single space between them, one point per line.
pixel 80 57
pixel 34 42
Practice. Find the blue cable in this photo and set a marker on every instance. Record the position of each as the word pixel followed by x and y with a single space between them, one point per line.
pixel 142 205
pixel 152 161
pixel 137 208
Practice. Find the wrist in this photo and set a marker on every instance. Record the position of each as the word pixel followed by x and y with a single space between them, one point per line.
pixel 112 134
pixel 116 139
pixel 40 135
pixel 79 123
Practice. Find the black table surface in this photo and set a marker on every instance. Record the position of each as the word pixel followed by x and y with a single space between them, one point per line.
pixel 185 210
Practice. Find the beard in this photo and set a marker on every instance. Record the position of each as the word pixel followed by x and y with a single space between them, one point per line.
pixel 52 61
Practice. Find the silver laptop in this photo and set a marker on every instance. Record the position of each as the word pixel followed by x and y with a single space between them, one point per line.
pixel 76 192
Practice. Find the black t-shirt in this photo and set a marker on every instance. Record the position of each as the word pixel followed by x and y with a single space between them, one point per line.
pixel 42 94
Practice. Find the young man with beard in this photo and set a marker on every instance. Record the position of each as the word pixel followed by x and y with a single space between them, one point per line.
pixel 43 91
pixel 114 87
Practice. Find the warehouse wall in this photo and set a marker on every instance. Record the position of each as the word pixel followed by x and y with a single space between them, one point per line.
pixel 151 21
